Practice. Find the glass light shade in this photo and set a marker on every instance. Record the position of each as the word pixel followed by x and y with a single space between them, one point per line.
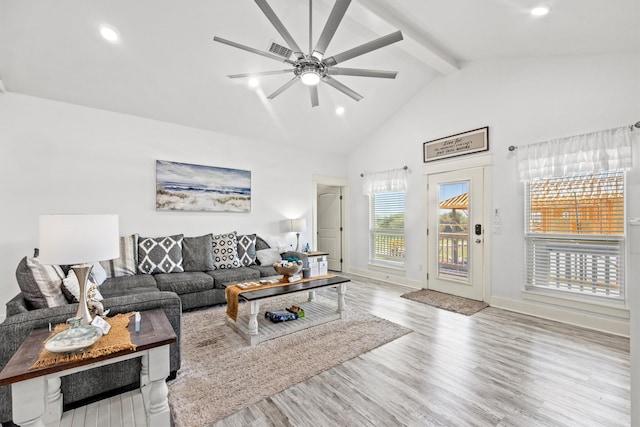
pixel 78 239
pixel 310 77
pixel 298 225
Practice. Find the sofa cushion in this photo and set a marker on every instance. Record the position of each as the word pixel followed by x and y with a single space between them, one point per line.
pixel 268 256
pixel 160 254
pixel 233 275
pixel 127 263
pixel 197 253
pixel 225 251
pixel 247 249
pixel 41 285
pixel 265 270
pixel 184 283
pixel 118 285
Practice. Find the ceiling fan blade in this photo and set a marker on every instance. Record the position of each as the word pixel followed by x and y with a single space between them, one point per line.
pixel 279 26
pixel 261 73
pixel 342 88
pixel 335 17
pixel 361 72
pixel 252 50
pixel 364 48
pixel 284 87
pixel 313 92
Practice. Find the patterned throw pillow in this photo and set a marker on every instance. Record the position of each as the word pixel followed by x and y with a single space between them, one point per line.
pixel 41 284
pixel 160 254
pixel 225 251
pixel 247 249
pixel 127 264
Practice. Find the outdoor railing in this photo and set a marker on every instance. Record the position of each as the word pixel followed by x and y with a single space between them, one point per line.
pixel 453 252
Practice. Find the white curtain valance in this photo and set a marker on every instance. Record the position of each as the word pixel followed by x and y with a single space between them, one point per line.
pixel 389 181
pixel 594 152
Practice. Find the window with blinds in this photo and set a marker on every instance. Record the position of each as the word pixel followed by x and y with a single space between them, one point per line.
pixel 386 227
pixel 575 234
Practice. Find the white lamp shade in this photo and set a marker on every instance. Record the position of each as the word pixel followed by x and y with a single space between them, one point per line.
pixel 298 225
pixel 77 239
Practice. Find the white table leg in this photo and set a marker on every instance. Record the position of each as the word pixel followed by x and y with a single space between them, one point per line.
pixel 29 401
pixel 53 410
pixel 158 413
pixel 253 317
pixel 342 308
pixel 144 377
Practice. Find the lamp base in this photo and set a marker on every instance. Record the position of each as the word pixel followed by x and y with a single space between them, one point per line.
pixel 297 242
pixel 82 273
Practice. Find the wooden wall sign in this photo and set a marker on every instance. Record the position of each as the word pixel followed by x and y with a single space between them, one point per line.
pixel 460 144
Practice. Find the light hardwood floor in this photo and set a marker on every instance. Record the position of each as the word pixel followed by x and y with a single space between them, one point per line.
pixel 495 368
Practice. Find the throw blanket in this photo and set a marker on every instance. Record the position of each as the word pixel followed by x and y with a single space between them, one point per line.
pixel 233 291
pixel 117 339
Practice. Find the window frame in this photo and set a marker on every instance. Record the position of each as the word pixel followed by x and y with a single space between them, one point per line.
pixel 573 244
pixel 390 262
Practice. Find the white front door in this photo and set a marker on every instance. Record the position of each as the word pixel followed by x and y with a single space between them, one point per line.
pixel 455 239
pixel 330 224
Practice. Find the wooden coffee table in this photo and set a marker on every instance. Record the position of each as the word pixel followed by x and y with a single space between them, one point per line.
pixel 36 397
pixel 255 328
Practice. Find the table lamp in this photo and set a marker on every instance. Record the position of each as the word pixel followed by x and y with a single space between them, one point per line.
pixel 297 226
pixel 78 240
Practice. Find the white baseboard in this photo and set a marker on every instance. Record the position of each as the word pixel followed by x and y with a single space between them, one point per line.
pixel 386 277
pixel 585 320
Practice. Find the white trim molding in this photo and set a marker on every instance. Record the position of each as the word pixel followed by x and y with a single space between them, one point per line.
pixel 386 277
pixel 597 322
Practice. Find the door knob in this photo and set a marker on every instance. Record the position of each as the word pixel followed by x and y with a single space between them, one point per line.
pixel 478 241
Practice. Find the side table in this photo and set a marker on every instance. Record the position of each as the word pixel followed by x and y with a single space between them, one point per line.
pixel 36 397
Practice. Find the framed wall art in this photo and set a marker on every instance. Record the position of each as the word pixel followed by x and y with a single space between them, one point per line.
pixel 460 144
pixel 187 187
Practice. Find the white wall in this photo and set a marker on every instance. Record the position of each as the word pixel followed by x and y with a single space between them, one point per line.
pixel 522 101
pixel 63 158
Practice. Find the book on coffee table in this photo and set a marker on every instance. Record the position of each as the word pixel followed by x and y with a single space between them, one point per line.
pixel 280 316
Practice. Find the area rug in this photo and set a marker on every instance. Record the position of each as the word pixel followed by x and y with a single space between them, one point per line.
pixel 221 374
pixel 446 302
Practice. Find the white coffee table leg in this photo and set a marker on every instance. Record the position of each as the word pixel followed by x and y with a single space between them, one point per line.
pixel 254 306
pixel 28 401
pixel 342 308
pixel 53 410
pixel 158 406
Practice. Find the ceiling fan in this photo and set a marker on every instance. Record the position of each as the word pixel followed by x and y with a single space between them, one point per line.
pixel 314 67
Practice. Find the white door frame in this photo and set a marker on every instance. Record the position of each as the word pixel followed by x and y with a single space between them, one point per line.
pixel 334 182
pixel 454 164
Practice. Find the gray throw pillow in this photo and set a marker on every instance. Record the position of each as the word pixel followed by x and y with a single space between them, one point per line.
pixel 41 285
pixel 247 249
pixel 127 263
pixel 225 251
pixel 268 256
pixel 160 254
pixel 197 253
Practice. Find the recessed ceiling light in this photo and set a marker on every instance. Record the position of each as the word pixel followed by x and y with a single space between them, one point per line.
pixel 540 10
pixel 340 111
pixel 109 33
pixel 253 82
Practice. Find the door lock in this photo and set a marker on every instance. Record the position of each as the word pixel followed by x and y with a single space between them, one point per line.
pixel 478 229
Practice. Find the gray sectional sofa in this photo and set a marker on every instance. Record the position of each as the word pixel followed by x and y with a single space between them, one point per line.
pixel 135 288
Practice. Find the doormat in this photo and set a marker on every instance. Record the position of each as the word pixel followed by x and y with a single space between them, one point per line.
pixel 446 302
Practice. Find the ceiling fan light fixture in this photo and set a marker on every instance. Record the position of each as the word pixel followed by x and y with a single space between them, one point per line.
pixel 310 76
pixel 540 11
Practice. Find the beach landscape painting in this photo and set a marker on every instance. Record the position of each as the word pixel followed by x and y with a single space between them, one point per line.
pixel 187 187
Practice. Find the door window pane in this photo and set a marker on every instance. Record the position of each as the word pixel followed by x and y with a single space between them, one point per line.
pixel 453 231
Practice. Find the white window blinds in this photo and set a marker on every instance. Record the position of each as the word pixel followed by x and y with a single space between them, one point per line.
pixel 387 227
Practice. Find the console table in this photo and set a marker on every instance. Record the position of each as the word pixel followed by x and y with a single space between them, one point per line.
pixel 36 397
pixel 255 328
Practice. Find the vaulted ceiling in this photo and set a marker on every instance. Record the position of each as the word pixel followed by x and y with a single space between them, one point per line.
pixel 167 67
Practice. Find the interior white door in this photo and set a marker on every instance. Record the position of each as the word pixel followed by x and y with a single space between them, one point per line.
pixel 330 224
pixel 455 238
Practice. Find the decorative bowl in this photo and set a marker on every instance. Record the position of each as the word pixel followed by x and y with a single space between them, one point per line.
pixel 288 269
pixel 73 339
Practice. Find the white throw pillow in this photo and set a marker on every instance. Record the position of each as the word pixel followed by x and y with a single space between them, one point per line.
pixel 98 274
pixel 268 256
pixel 71 288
